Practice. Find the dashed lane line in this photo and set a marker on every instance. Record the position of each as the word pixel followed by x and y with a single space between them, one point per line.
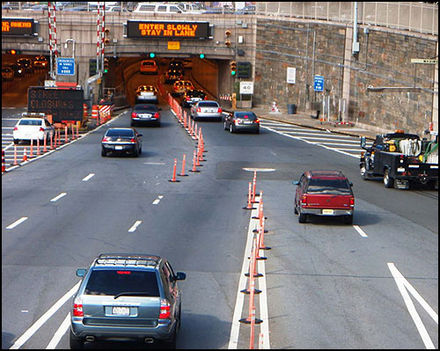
pixel 134 226
pixel 56 198
pixel 17 222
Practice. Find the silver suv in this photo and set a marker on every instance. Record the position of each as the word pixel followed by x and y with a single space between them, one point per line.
pixel 127 297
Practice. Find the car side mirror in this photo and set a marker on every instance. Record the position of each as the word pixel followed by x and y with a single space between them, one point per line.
pixel 351 184
pixel 180 276
pixel 140 135
pixel 363 142
pixel 81 272
pixel 295 182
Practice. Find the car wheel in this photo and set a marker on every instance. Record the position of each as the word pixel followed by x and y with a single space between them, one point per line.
pixel 75 343
pixel 231 128
pixel 172 343
pixel 16 141
pixel 387 180
pixel 348 219
pixel 302 218
pixel 103 153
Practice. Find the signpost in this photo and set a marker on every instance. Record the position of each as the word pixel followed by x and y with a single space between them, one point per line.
pixel 65 66
pixel 318 84
pixel 246 88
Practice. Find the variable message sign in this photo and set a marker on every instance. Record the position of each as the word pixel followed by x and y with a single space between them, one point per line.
pixel 169 29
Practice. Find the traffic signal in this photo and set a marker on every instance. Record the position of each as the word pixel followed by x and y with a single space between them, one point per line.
pixel 202 56
pixel 13 52
pixel 227 42
pixel 233 66
pixel 105 65
pixel 152 54
pixel 106 33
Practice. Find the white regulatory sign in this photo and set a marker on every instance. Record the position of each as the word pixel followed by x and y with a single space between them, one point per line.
pixel 246 87
pixel 291 75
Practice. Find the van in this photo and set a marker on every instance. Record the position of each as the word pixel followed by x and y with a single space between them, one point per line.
pixel 148 7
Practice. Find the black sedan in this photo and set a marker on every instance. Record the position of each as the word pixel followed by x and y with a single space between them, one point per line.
pixel 191 97
pixel 145 113
pixel 122 141
pixel 242 121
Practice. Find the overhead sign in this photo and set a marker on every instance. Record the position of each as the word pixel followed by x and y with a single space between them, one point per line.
pixel 429 61
pixel 65 66
pixel 244 69
pixel 174 45
pixel 62 104
pixel 18 26
pixel 318 83
pixel 169 29
pixel 291 75
pixel 246 87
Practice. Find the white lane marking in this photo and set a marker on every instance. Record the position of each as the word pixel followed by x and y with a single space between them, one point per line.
pixel 44 318
pixel 85 179
pixel 401 283
pixel 154 163
pixel 134 226
pixel 360 231
pixel 17 222
pixel 8 127
pixel 155 202
pixel 56 198
pixel 259 169
pixel 59 333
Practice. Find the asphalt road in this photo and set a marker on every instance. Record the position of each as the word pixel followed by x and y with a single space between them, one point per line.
pixel 329 285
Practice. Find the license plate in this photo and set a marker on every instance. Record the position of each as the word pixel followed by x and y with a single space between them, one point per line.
pixel 327 212
pixel 144 115
pixel 118 147
pixel 121 311
pixel 247 122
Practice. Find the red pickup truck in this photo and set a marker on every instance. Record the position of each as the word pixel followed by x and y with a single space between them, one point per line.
pixel 324 193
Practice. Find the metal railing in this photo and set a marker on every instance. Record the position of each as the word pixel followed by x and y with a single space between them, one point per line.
pixel 412 16
pixel 417 17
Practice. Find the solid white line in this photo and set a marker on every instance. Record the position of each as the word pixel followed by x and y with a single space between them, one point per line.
pixel 85 179
pixel 154 163
pixel 235 328
pixel 134 226
pixel 44 318
pixel 400 282
pixel 360 231
pixel 59 333
pixel 264 314
pixel 17 222
pixel 56 198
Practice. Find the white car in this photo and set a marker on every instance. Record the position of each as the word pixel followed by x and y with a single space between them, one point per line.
pixel 146 94
pixel 33 128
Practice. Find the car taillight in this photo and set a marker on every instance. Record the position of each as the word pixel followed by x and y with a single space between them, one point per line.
pixel 104 140
pixel 133 115
pixel 156 115
pixel 41 129
pixel 132 140
pixel 187 99
pixel 199 109
pixel 15 128
pixel 164 309
pixel 351 201
pixel 236 121
pixel 219 110
pixel 78 308
pixel 304 199
pixel 257 121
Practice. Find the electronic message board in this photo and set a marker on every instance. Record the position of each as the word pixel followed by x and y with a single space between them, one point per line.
pixel 18 26
pixel 62 104
pixel 168 29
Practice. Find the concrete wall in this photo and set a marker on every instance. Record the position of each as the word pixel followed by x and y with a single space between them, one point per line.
pixel 384 60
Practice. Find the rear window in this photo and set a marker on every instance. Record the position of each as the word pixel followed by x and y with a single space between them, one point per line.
pixel 246 115
pixel 148 63
pixel 120 132
pixel 113 282
pixel 151 108
pixel 31 122
pixel 329 186
pixel 147 8
pixel 208 104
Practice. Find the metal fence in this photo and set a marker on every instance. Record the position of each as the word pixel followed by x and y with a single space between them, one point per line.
pixel 412 16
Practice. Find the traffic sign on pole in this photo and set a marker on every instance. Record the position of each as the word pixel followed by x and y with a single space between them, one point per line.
pixel 318 84
pixel 65 66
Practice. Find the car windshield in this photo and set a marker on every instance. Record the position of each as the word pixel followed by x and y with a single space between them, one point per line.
pixel 246 115
pixel 147 108
pixel 120 132
pixel 148 63
pixel 31 122
pixel 127 282
pixel 329 186
pixel 208 104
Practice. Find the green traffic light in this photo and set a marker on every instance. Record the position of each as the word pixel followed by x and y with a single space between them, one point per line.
pixel 152 54
pixel 105 70
pixel 232 73
pixel 202 56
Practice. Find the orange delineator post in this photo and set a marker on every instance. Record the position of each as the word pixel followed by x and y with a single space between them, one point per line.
pixel 254 186
pixel 45 143
pixel 194 169
pixel 32 149
pixel 15 155
pixel 182 173
pixel 66 136
pixel 174 172
pixel 249 203
pixel 3 161
pixel 38 146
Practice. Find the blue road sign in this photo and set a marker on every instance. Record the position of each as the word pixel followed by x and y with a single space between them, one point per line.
pixel 65 66
pixel 318 84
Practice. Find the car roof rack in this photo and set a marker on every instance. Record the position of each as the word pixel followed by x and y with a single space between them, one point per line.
pixel 120 259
